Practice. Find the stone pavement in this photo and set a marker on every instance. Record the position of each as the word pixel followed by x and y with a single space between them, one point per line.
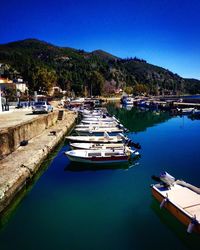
pixel 22 164
pixel 15 117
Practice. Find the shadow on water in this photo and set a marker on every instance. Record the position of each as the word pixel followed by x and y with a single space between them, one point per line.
pixel 10 211
pixel 81 167
pixel 191 241
pixel 137 120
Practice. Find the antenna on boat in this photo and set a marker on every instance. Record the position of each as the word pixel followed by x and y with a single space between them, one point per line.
pixel 106 135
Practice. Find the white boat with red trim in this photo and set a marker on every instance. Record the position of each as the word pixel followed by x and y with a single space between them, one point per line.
pixel 99 156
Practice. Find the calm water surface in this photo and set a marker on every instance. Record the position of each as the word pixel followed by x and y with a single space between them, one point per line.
pixel 74 208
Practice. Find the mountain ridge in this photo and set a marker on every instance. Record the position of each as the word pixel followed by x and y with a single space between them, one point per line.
pixel 74 69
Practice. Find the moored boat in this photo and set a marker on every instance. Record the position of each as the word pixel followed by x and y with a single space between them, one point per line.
pixel 96 145
pixel 185 111
pixel 96 139
pixel 99 125
pixel 99 156
pixel 88 121
pixel 98 131
pixel 98 119
pixel 180 198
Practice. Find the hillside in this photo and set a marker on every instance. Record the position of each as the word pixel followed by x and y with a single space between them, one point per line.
pixel 44 65
pixel 104 55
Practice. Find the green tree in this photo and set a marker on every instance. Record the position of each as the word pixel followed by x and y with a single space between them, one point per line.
pixel 128 90
pixel 140 89
pixel 96 82
pixel 44 79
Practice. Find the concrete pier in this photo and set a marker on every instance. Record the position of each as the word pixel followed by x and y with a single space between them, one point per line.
pixel 22 162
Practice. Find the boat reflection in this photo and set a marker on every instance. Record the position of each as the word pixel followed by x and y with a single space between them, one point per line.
pixel 137 120
pixel 80 167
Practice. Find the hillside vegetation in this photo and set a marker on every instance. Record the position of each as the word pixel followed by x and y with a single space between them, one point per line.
pixel 44 65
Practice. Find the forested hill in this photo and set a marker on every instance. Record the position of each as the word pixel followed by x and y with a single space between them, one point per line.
pixel 44 65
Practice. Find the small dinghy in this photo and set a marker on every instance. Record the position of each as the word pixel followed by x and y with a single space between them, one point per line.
pixel 93 115
pixel 185 111
pixel 96 145
pixel 181 199
pixel 101 119
pixel 96 139
pixel 99 156
pixel 87 122
pixel 91 112
pixel 100 125
pixel 97 131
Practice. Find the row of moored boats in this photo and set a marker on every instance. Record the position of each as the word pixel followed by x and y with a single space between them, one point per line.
pixel 100 139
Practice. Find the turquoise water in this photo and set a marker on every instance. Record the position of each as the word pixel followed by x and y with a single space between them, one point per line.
pixel 74 208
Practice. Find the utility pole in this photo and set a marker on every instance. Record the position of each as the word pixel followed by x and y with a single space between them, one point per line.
pixel 91 90
pixel 0 100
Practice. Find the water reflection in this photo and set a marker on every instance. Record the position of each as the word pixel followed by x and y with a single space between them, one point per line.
pixel 137 120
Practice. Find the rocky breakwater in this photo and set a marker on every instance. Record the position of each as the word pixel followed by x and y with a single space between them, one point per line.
pixel 21 165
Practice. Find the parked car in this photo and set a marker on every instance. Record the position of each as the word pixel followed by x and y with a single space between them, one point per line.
pixel 42 107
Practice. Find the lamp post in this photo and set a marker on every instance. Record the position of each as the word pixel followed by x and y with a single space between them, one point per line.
pixel 0 100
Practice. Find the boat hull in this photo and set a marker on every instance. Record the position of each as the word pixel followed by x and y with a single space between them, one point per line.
pixel 93 140
pixel 174 210
pixel 99 160
pixel 96 146
pixel 95 133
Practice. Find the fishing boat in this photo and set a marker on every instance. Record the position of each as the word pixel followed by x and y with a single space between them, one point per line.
pixel 98 119
pixel 128 101
pixel 181 199
pixel 92 116
pixel 86 121
pixel 98 131
pixel 96 145
pixel 95 139
pixel 99 125
pixel 99 156
pixel 185 111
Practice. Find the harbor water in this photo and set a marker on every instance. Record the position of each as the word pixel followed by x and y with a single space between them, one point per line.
pixel 74 208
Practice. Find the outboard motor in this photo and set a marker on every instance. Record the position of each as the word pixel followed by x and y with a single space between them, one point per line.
pixel 135 145
pixel 130 143
pixel 167 178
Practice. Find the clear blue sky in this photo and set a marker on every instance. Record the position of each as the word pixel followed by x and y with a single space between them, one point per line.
pixel 164 32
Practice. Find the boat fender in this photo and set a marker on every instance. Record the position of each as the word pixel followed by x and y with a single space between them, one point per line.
pixel 192 225
pixel 164 201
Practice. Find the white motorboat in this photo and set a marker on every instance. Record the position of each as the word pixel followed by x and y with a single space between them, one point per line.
pixel 96 139
pixel 98 119
pixel 102 146
pixel 185 111
pixel 96 122
pixel 98 131
pixel 128 101
pixel 93 119
pixel 96 145
pixel 99 156
pixel 88 116
pixel 99 125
